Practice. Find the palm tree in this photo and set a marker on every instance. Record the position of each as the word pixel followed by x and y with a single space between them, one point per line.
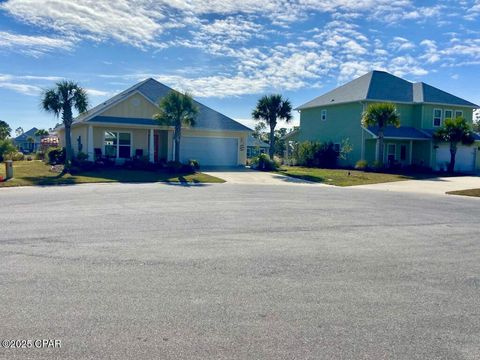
pixel 41 133
pixel 177 109
pixel 60 100
pixel 31 143
pixel 270 109
pixel 381 115
pixel 454 131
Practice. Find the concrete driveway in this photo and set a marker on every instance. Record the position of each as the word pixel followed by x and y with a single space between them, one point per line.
pixel 254 177
pixel 155 271
pixel 435 186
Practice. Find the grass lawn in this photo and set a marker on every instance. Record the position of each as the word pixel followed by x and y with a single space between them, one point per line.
pixel 340 177
pixel 469 192
pixel 28 173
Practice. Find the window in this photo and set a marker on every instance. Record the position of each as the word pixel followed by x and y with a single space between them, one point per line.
pixel 448 114
pixel 118 144
pixel 437 117
pixel 458 113
pixel 323 115
pixel 403 152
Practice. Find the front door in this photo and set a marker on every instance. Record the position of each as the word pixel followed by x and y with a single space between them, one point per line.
pixel 155 147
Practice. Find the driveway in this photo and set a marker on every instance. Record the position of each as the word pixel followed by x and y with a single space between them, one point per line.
pixel 435 186
pixel 254 177
pixel 156 271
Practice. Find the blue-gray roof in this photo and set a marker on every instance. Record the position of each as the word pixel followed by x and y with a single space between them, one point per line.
pixel 252 141
pixel 402 132
pixel 380 85
pixel 207 118
pixel 26 134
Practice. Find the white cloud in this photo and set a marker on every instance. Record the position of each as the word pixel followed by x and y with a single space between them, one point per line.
pixel 24 89
pixel 32 45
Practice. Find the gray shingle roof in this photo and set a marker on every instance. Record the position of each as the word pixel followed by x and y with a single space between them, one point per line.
pixel 207 118
pixel 251 141
pixel 380 85
pixel 26 134
pixel 402 132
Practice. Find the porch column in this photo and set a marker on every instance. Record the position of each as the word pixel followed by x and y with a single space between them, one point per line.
pixel 377 155
pixel 90 152
pixel 170 145
pixel 410 154
pixel 151 150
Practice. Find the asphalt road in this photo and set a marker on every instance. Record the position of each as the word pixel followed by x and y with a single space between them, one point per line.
pixel 239 272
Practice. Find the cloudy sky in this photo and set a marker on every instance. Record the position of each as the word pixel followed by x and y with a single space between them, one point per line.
pixel 230 52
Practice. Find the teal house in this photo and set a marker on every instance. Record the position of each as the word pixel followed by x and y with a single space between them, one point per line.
pixel 336 116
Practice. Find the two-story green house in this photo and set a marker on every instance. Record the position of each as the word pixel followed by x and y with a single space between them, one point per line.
pixel 336 116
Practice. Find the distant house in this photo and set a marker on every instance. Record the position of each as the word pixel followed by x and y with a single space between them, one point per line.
pixel 22 143
pixel 256 147
pixel 336 116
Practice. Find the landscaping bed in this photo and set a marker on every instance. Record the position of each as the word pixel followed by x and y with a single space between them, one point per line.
pixel 30 173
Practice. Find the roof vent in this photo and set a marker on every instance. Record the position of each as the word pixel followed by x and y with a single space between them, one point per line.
pixel 332 100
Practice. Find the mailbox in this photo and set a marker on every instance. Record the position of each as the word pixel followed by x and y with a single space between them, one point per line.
pixel 9 169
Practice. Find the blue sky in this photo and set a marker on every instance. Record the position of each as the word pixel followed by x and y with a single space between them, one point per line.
pixel 229 52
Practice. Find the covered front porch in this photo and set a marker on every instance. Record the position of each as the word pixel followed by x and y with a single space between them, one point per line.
pixel 404 146
pixel 121 143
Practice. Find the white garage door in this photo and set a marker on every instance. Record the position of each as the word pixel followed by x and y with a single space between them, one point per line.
pixel 210 151
pixel 464 160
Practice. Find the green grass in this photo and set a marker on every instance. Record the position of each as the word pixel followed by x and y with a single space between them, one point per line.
pixel 30 173
pixel 340 177
pixel 469 192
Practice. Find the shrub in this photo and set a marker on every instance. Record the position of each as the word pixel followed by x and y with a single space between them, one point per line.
pixel 81 156
pixel 315 154
pixel 377 165
pixel 39 155
pixel 6 148
pixel 178 167
pixel 55 155
pixel 194 164
pixel 14 156
pixel 361 165
pixel 264 163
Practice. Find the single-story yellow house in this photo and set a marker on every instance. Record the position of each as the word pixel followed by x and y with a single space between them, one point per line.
pixel 123 127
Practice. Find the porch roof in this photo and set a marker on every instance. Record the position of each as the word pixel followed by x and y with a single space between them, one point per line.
pixel 402 132
pixel 123 120
pixel 476 136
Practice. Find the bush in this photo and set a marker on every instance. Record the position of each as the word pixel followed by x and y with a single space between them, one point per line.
pixel 39 155
pixel 264 163
pixel 6 148
pixel 315 154
pixel 55 155
pixel 361 165
pixel 14 156
pixel 81 156
pixel 377 165
pixel 178 167
pixel 194 164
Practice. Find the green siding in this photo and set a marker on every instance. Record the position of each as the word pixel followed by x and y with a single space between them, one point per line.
pixel 427 114
pixel 343 121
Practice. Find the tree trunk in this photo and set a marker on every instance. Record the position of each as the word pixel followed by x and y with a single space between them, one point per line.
pixel 453 152
pixel 67 118
pixel 380 146
pixel 271 151
pixel 177 136
pixel 68 147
